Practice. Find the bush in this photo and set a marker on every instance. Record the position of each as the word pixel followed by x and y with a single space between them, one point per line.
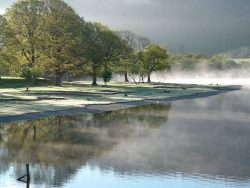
pixel 106 75
pixel 28 74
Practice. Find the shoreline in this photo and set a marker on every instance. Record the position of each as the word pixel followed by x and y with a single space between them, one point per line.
pixel 101 108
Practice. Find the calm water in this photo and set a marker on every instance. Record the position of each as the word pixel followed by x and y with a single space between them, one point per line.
pixel 191 143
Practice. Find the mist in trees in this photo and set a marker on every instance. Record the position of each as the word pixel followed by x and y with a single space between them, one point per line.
pixel 48 38
pixel 196 62
pixel 153 58
pixel 134 44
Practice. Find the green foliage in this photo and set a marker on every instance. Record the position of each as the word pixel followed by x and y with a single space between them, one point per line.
pixel 28 74
pixel 102 46
pixel 48 36
pixel 63 40
pixel 221 62
pixel 132 44
pixel 186 61
pixel 125 61
pixel 6 57
pixel 106 75
pixel 26 22
pixel 3 23
pixel 135 71
pixel 192 62
pixel 21 83
pixel 51 40
pixel 12 83
pixel 153 58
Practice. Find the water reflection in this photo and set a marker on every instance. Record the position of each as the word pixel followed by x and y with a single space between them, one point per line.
pixel 191 143
pixel 57 147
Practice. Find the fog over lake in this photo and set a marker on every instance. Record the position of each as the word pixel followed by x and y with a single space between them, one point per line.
pixel 192 143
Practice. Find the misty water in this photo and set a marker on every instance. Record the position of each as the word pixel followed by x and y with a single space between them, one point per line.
pixel 190 143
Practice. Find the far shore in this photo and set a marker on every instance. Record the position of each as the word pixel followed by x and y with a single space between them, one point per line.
pixel 19 106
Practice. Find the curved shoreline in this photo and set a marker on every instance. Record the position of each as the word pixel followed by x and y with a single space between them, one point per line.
pixel 100 108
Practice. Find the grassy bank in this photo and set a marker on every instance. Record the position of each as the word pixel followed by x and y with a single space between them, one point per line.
pixel 16 82
pixel 14 100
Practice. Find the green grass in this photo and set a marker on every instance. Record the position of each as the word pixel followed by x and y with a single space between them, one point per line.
pixel 12 82
pixel 78 94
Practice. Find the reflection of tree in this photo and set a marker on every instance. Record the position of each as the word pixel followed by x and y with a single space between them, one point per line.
pixel 57 146
pixel 148 116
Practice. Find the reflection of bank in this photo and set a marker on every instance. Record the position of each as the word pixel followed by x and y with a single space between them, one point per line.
pixel 57 147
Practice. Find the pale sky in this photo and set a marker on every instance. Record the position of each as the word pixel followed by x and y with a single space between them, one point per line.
pixel 206 26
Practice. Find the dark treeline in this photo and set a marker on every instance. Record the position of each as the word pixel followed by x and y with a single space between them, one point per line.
pixel 47 38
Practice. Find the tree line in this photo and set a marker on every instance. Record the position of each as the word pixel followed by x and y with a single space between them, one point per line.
pixel 47 38
pixel 197 62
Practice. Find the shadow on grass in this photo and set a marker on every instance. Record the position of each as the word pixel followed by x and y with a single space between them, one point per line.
pixel 21 83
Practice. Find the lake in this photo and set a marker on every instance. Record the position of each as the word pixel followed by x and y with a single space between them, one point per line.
pixel 194 143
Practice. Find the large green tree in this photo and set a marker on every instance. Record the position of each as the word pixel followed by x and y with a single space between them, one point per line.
pixel 134 43
pixel 26 21
pixel 3 22
pixel 6 57
pixel 153 58
pixel 129 47
pixel 103 47
pixel 63 42
pixel 126 60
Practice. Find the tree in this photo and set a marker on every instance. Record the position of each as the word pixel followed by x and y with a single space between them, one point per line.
pixel 153 58
pixel 125 61
pixel 134 44
pixel 102 46
pixel 130 37
pixel 3 22
pixel 63 40
pixel 28 75
pixel 134 71
pixel 143 42
pixel 25 19
pixel 106 75
pixel 187 62
pixel 221 62
pixel 6 57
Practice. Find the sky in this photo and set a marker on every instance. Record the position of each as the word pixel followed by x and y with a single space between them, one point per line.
pixel 203 26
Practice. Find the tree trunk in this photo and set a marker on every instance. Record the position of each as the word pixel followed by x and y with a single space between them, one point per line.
pixel 68 78
pixel 94 83
pixel 126 77
pixel 142 79
pixel 149 78
pixel 58 80
pixel 33 57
